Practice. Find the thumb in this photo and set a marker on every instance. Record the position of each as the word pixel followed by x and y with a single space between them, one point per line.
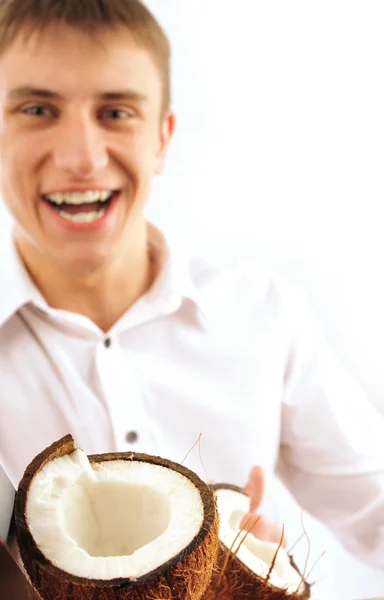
pixel 255 487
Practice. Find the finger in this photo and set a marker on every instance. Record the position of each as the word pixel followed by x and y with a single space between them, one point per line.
pixel 255 487
pixel 263 529
pixel 251 522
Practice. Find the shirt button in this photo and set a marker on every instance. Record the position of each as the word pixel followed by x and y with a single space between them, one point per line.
pixel 132 437
pixel 108 342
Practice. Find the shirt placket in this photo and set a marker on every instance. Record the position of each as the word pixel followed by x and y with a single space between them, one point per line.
pixel 123 398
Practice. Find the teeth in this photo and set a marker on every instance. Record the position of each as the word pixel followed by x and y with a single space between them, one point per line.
pixel 80 197
pixel 89 217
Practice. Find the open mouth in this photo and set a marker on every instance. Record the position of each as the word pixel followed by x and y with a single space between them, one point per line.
pixel 81 208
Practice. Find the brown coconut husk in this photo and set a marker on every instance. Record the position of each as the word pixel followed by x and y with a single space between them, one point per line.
pixel 186 576
pixel 233 580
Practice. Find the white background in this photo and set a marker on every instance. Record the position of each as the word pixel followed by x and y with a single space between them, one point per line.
pixel 279 157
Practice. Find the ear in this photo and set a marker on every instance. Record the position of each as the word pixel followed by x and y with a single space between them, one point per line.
pixel 255 487
pixel 166 133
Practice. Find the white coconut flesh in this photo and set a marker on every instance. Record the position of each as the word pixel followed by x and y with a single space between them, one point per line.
pixel 111 519
pixel 257 555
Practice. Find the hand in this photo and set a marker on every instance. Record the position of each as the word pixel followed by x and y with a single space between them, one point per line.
pixel 263 529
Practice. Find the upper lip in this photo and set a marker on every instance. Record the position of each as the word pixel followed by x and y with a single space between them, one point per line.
pixel 80 188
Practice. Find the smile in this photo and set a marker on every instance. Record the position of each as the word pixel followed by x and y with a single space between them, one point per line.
pixel 81 207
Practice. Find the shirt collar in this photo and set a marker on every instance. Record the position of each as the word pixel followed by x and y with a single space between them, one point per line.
pixel 173 269
pixel 18 286
pixel 173 282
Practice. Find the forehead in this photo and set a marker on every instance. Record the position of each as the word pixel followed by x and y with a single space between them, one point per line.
pixel 74 63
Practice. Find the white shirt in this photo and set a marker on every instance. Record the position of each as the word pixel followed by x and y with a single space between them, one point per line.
pixel 231 354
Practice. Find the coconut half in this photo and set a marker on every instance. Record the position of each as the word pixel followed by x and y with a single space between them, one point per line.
pixel 243 570
pixel 114 526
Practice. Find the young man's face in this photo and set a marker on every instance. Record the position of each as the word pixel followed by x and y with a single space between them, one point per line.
pixel 73 137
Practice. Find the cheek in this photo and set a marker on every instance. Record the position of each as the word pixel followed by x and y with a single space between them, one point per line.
pixel 8 178
pixel 14 160
pixel 12 176
pixel 16 183
pixel 140 163
pixel 19 148
pixel 143 148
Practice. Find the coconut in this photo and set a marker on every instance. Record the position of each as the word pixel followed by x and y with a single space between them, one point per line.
pixel 115 526
pixel 248 568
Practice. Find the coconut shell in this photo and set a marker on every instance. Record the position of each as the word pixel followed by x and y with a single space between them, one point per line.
pixel 186 576
pixel 233 580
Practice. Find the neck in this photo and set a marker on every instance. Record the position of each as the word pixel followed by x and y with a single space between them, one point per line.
pixel 103 296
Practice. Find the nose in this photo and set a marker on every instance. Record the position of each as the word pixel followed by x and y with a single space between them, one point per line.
pixel 80 147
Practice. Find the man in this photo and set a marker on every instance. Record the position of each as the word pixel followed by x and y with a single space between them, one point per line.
pixel 110 333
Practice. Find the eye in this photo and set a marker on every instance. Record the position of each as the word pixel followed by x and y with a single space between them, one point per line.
pixel 36 111
pixel 118 114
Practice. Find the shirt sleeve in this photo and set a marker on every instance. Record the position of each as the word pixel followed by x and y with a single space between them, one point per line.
pixel 332 440
pixel 7 496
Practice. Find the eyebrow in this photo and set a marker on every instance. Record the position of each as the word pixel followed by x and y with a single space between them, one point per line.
pixel 27 91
